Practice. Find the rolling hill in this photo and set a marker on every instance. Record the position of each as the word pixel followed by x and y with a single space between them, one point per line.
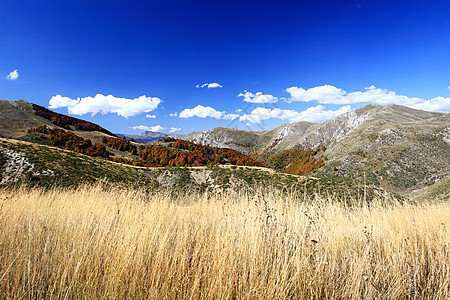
pixel 43 165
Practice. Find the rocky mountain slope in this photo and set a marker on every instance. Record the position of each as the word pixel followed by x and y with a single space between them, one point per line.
pixel 399 148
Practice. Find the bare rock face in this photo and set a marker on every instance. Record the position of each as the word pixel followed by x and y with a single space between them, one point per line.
pixel 17 166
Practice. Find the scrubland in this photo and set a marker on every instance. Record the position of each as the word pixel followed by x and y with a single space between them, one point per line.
pixel 110 243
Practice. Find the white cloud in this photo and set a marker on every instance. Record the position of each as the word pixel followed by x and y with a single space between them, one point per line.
pixel 151 116
pixel 328 94
pixel 156 128
pixel 439 104
pixel 321 94
pixel 230 116
pixel 175 114
pixel 211 85
pixel 13 75
pixel 203 112
pixel 106 104
pixel 263 113
pixel 448 87
pixel 312 114
pixel 259 97
pixel 319 114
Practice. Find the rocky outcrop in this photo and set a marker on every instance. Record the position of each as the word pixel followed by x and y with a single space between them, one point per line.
pixel 17 166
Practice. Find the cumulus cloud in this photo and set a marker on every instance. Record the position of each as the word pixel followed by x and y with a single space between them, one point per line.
pixel 328 94
pixel 318 114
pixel 259 97
pixel 106 104
pixel 13 75
pixel 312 114
pixel 203 112
pixel 263 113
pixel 438 104
pixel 230 116
pixel 151 116
pixel 211 85
pixel 156 128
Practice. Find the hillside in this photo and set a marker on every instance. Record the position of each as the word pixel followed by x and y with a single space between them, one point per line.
pixel 44 165
pixel 395 147
pixel 392 148
pixel 16 117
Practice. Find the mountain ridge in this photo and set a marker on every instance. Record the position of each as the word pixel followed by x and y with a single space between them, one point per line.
pixel 399 148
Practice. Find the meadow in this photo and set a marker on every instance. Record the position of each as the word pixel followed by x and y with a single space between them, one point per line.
pixel 104 242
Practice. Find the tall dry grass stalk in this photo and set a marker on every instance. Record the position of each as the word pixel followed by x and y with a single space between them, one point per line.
pixel 95 242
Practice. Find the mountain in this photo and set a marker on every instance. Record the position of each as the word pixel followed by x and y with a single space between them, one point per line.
pixel 249 142
pixel 398 148
pixel 395 148
pixel 16 117
pixel 144 137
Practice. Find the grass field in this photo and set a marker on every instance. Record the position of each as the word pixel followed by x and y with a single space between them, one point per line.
pixel 106 243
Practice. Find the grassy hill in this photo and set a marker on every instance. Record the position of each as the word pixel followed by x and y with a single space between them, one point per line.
pixel 43 165
pixel 46 165
pixel 16 117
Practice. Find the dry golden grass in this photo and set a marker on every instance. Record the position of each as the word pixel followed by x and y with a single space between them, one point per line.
pixel 95 242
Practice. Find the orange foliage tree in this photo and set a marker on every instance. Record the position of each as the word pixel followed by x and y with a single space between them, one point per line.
pixel 64 121
pixel 120 144
pixel 70 141
pixel 296 161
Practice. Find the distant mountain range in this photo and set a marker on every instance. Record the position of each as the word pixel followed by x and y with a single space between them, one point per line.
pixel 144 137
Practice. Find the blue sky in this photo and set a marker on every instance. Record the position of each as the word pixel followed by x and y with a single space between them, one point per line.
pixel 125 64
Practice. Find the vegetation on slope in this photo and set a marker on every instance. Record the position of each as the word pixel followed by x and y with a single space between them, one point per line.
pixel 296 161
pixel 67 168
pixel 177 153
pixel 64 121
pixel 187 154
pixel 70 141
pixel 121 144
pixel 94 242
